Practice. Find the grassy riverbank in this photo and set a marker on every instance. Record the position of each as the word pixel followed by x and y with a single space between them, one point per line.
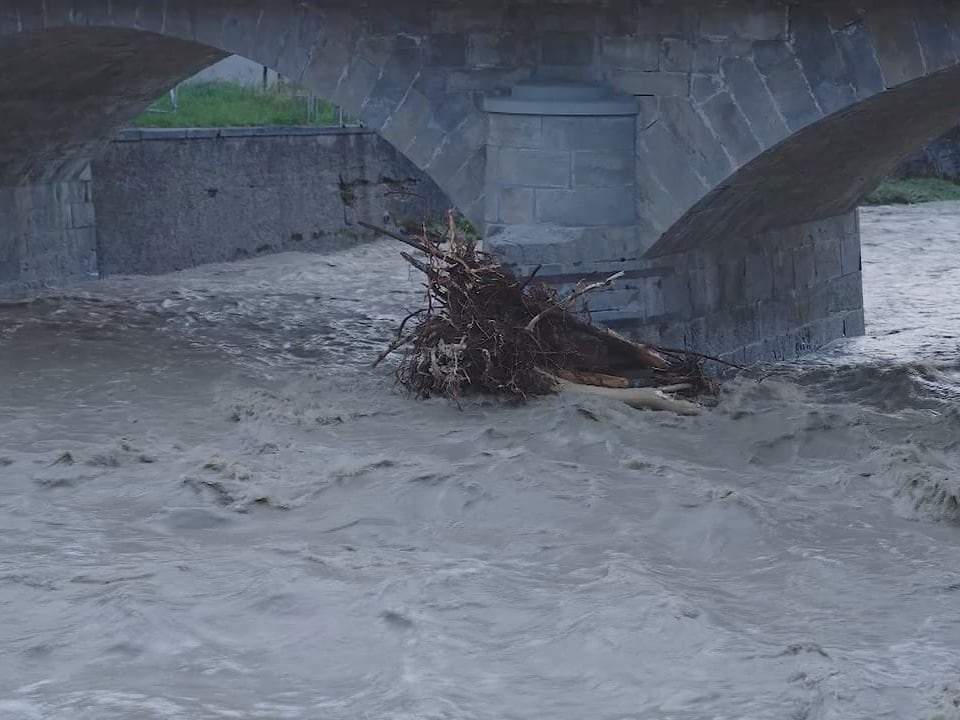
pixel 910 191
pixel 227 105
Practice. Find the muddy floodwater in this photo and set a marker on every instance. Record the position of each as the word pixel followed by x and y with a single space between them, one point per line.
pixel 211 507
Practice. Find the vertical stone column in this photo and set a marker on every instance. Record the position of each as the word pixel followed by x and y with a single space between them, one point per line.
pixel 48 235
pixel 560 175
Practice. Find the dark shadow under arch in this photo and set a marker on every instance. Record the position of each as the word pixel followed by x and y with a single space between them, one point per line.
pixel 64 91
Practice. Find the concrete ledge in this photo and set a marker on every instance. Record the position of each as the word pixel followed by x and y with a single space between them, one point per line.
pixel 517 106
pixel 557 98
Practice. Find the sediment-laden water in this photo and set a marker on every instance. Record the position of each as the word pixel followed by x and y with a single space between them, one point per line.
pixel 210 507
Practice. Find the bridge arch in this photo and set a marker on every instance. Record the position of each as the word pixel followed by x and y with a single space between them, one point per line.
pixel 798 126
pixel 123 54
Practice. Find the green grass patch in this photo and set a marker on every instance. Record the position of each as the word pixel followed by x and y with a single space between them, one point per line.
pixel 220 104
pixel 910 191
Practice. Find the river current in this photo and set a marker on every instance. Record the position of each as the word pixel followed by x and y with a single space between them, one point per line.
pixel 211 507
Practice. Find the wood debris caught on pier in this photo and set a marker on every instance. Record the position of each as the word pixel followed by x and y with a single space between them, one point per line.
pixel 483 330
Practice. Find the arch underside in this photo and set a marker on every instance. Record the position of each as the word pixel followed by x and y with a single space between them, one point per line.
pixel 824 170
pixel 75 72
pixel 63 92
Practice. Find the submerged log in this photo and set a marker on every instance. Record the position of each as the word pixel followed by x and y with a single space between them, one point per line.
pixel 640 398
pixel 598 379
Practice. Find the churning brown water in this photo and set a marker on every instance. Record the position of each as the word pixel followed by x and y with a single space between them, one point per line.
pixel 211 507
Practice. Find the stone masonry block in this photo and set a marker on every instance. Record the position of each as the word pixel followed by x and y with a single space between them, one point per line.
pixel 774 317
pixel 632 53
pixel 825 331
pixel 751 94
pixel 452 109
pixel 676 55
pixel 378 48
pixel 782 267
pixel 850 253
pixel 732 283
pixel 567 48
pixel 576 133
pixel 483 50
pixel 655 205
pixel 517 206
pixel 423 149
pixel 325 69
pixel 446 50
pixel 739 20
pixel 787 83
pixel 179 20
pixel 456 149
pixel 937 43
pixel 492 179
pixel 467 186
pixel 603 168
pixel 518 131
pixel 895 38
pixel 454 18
pixel 804 267
pixel 846 293
pixel 676 296
pixel 395 79
pixel 703 87
pixel 491 206
pixel 695 141
pixel 586 206
pixel 709 53
pixel 759 277
pixel 658 155
pixel 817 50
pixel 668 20
pixel 854 324
pixel 860 58
pixel 534 168
pixel 636 82
pixel 410 116
pixel 356 84
pixel 82 215
pixel 732 128
pixel 828 258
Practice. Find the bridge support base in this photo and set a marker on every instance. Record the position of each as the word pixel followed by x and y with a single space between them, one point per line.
pixel 772 296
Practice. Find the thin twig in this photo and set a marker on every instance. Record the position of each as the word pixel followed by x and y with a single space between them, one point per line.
pixel 566 302
pixel 691 353
pixel 422 267
pixel 422 247
pixel 392 347
pixel 530 277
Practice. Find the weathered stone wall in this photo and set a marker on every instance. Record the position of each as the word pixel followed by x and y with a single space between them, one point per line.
pixel 47 235
pixel 171 199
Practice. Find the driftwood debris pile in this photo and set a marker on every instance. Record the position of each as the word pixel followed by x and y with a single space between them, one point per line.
pixel 483 330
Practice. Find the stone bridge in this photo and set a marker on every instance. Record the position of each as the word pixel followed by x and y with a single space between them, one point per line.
pixel 714 151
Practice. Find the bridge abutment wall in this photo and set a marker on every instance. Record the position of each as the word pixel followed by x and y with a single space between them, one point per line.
pixel 47 235
pixel 172 199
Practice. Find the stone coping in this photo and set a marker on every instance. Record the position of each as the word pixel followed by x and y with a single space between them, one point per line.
pixel 142 134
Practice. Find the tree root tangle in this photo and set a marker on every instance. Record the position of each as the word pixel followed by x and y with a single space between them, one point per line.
pixel 482 330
